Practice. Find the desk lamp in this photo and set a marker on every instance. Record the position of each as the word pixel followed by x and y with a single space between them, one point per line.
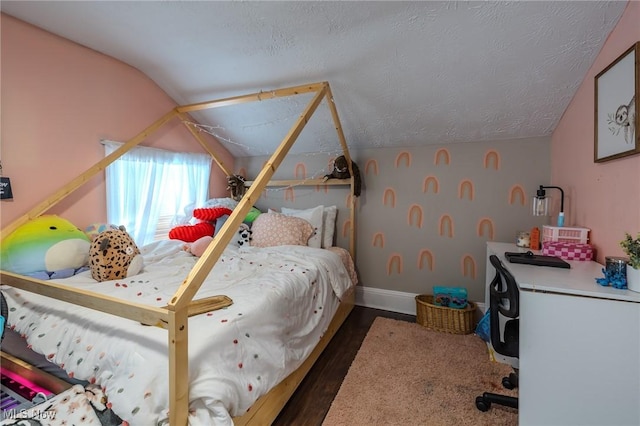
pixel 541 203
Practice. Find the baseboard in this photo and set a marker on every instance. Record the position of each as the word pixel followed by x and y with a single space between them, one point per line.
pixel 390 300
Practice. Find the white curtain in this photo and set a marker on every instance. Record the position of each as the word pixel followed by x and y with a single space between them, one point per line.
pixel 146 183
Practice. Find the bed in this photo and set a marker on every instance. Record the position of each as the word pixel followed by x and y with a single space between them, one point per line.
pixel 236 353
pixel 168 371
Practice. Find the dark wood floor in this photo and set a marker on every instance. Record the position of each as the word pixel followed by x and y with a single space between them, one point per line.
pixel 311 401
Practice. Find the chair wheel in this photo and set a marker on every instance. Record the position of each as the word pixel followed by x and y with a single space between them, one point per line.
pixel 481 404
pixel 506 383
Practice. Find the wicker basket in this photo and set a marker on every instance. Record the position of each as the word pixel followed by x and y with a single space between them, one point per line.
pixel 442 318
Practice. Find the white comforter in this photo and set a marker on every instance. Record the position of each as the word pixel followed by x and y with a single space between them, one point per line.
pixel 283 303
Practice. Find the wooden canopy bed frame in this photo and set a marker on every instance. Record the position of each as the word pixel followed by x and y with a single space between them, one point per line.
pixel 175 316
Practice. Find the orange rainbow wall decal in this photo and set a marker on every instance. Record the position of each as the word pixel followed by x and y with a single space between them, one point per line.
pixel 468 265
pixel 485 225
pixel 492 156
pixel 431 181
pixel 404 155
pixel 446 222
pixel 467 185
pixel 425 255
pixel 415 211
pixel 517 191
pixel 389 194
pixel 322 187
pixel 289 194
pixel 378 240
pixel 300 171
pixel 346 226
pixel 395 260
pixel 371 164
pixel 444 154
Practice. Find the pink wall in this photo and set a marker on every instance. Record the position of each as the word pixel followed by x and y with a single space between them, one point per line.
pixel 604 197
pixel 58 100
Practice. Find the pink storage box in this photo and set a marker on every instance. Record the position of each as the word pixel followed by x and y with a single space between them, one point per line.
pixel 567 251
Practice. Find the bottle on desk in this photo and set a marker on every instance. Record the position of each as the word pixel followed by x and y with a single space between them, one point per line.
pixel 534 239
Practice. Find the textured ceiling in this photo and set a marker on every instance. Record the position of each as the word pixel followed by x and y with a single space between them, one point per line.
pixel 402 73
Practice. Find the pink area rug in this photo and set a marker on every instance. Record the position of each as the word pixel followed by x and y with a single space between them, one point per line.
pixel 404 374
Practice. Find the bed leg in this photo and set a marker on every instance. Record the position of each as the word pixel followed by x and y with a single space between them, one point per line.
pixel 178 367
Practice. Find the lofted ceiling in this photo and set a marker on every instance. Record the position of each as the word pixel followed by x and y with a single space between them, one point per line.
pixel 402 73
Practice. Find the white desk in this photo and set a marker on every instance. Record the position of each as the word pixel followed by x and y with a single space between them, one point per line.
pixel 579 346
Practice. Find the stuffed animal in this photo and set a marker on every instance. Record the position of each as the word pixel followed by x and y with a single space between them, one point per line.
pixel 341 171
pixel 211 221
pixel 235 185
pixel 44 248
pixel 243 238
pixel 252 215
pixel 114 255
pixel 191 233
pixel 244 235
pixel 198 247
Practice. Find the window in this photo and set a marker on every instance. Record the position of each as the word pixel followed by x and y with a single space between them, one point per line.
pixel 147 188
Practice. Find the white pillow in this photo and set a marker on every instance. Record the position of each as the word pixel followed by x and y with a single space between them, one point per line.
pixel 328 225
pixel 314 217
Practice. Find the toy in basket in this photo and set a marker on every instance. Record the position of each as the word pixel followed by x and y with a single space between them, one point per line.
pixel 452 297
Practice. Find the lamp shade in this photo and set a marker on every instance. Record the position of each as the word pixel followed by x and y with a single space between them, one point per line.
pixel 540 206
pixel 540 203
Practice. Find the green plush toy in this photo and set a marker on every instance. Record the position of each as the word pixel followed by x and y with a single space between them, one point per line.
pixel 45 247
pixel 252 215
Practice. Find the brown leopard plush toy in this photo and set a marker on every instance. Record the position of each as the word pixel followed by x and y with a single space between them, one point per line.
pixel 114 255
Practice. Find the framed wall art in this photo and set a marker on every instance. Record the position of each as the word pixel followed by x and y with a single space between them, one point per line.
pixel 617 89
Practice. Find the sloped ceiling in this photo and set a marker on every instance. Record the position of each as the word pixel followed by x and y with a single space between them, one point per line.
pixel 402 73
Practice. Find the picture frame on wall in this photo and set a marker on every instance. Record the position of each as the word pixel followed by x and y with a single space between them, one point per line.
pixel 617 89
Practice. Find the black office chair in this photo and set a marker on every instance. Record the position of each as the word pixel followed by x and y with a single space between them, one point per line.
pixel 503 300
pixel 4 312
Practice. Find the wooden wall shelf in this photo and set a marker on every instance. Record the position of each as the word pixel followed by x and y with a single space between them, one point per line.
pixel 304 182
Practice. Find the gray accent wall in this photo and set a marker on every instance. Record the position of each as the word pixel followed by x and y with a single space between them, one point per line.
pixel 425 213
